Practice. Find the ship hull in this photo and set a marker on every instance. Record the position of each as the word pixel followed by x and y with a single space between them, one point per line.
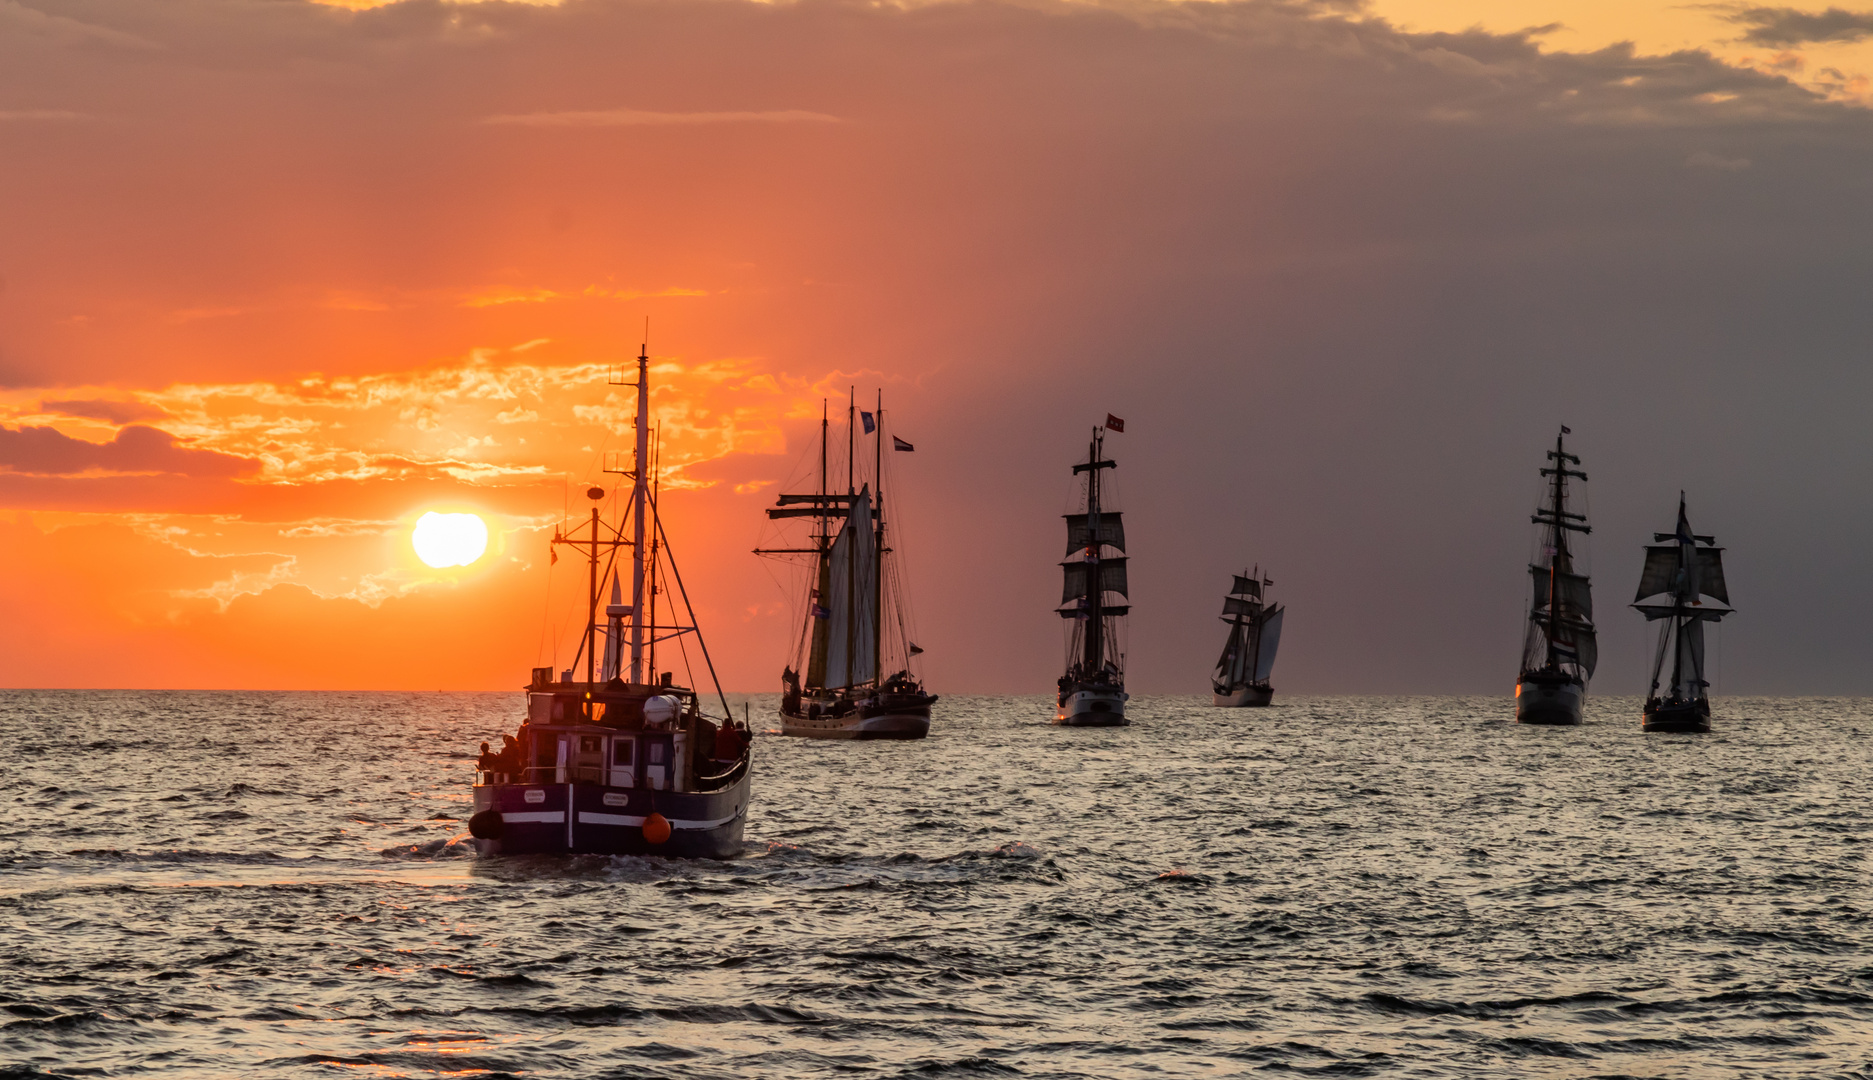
pixel 1246 697
pixel 1554 702
pixel 887 716
pixel 1091 706
pixel 534 819
pixel 1679 716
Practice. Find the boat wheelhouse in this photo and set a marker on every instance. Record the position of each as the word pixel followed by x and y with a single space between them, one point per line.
pixel 621 761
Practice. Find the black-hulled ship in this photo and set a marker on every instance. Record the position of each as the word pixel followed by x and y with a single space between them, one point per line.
pixel 622 761
pixel 1092 691
pixel 1248 660
pixel 854 628
pixel 1681 588
pixel 1561 647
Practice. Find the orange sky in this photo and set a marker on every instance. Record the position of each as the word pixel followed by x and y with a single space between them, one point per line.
pixel 280 277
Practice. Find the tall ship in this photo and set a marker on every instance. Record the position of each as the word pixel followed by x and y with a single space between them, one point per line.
pixel 621 761
pixel 1561 648
pixel 1248 659
pixel 1092 691
pixel 854 629
pixel 1681 589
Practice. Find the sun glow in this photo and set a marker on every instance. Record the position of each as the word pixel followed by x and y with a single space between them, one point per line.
pixel 443 540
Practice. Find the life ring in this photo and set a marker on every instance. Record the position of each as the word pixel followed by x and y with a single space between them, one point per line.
pixel 487 825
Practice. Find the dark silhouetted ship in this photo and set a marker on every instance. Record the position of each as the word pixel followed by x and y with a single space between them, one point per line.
pixel 1248 659
pixel 1681 588
pixel 1092 692
pixel 1561 647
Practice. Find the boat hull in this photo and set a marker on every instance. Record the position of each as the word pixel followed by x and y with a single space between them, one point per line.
pixel 1680 716
pixel 887 716
pixel 595 819
pixel 1246 697
pixel 1091 706
pixel 1557 702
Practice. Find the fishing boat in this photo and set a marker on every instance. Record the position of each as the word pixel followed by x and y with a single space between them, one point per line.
pixel 1681 589
pixel 1092 691
pixel 854 628
pixel 1561 648
pixel 623 761
pixel 1241 679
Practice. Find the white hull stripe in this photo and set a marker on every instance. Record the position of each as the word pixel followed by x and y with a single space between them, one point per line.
pixel 587 817
pixel 529 817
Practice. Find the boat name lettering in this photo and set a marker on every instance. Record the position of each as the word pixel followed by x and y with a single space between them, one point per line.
pixel 617 798
pixel 536 796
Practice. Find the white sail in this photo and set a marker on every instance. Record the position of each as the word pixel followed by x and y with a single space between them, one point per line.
pixel 852 600
pixel 1690 665
pixel 1271 640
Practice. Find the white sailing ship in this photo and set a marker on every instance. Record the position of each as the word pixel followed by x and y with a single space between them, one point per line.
pixel 854 629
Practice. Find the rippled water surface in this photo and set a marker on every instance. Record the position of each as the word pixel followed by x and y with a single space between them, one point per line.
pixel 197 884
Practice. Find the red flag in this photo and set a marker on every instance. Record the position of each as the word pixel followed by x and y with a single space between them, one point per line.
pixel 1115 423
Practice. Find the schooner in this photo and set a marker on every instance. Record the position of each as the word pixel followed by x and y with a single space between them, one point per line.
pixel 1560 649
pixel 1092 692
pixel 1248 658
pixel 854 627
pixel 1682 588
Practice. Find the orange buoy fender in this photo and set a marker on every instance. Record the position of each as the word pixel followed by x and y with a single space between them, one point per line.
pixel 656 828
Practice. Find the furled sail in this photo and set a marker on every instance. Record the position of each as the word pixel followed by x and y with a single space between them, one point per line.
pixel 1080 531
pixel 1246 586
pixel 1079 575
pixel 851 601
pixel 1270 641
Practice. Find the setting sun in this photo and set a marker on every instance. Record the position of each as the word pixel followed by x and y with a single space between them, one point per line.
pixel 443 540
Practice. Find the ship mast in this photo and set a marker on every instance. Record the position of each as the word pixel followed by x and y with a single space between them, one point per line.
pixel 1095 594
pixel 640 490
pixel 877 583
pixel 1559 523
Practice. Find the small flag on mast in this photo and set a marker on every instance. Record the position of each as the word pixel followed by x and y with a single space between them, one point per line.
pixel 1565 430
pixel 1115 423
pixel 900 444
pixel 865 418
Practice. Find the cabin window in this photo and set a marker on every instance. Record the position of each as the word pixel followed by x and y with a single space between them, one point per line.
pixel 656 753
pixel 588 744
pixel 621 752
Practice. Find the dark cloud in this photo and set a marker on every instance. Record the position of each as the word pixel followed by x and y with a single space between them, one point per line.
pixel 1787 28
pixel 44 451
pixel 110 411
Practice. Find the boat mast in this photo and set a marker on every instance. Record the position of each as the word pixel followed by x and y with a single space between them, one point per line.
pixel 877 618
pixel 1558 538
pixel 640 490
pixel 1255 662
pixel 591 613
pixel 1095 593
pixel 657 481
pixel 851 564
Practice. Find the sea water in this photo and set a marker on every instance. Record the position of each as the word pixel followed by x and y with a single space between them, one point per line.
pixel 247 884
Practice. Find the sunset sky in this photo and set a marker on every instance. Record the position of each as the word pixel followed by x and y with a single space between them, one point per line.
pixel 276 278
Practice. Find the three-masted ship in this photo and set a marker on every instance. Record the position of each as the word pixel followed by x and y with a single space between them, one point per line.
pixel 622 761
pixel 854 627
pixel 1092 691
pixel 1681 588
pixel 1561 647
pixel 1242 672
